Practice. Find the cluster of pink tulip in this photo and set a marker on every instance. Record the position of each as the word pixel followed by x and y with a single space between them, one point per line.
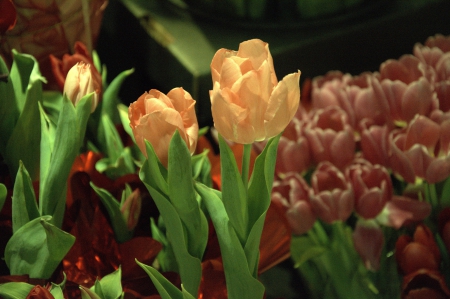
pixel 360 138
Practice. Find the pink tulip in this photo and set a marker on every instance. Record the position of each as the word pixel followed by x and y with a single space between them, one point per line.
pixel 423 150
pixel 332 199
pixel 440 41
pixel 401 210
pixel 407 69
pixel 292 192
pixel 375 143
pixel 372 187
pixel 155 117
pixel 80 82
pixel 293 149
pixel 368 239
pixel 247 102
pixel 330 137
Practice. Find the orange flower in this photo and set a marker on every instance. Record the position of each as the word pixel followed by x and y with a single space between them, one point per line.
pixel 155 117
pixel 81 82
pixel 248 103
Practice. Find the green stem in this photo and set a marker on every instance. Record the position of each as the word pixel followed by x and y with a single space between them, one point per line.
pixel 246 164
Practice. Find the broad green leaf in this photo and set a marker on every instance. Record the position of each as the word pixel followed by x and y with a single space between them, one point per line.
pixel 110 286
pixel 88 294
pixel 234 195
pixel 9 111
pixel 48 132
pixel 153 173
pixel 186 294
pixel 15 290
pixel 24 205
pixel 83 112
pixel 52 102
pixel 37 248
pixel 123 114
pixel 240 281
pixel 201 168
pixel 111 96
pixel 52 194
pixel 259 196
pixel 165 288
pixel 189 266
pixel 24 141
pixel 183 197
pixel 113 142
pixel 113 208
pixel 57 289
pixel 166 257
pixel 3 193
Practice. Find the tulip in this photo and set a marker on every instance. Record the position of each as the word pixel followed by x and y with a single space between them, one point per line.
pixel 333 198
pixel 424 283
pixel 39 292
pixel 60 67
pixel 369 240
pixel 131 209
pixel 407 69
pixel 330 137
pixel 293 193
pixel 247 102
pixel 401 210
pixel 155 117
pixel 372 187
pixel 444 227
pixel 375 143
pixel 81 82
pixel 419 252
pixel 439 41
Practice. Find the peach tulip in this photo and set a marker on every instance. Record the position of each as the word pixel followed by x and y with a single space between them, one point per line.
pixel 155 117
pixel 247 102
pixel 81 82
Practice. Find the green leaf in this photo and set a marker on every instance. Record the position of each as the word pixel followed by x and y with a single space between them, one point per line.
pixel 37 248
pixel 83 112
pixel 186 294
pixel 182 196
pixel 24 141
pixel 303 249
pixel 111 96
pixel 110 286
pixel 165 288
pixel 113 142
pixel 166 257
pixel 240 281
pixel 52 193
pixel 9 111
pixel 57 289
pixel 3 194
pixel 116 219
pixel 24 205
pixel 15 290
pixel 189 266
pixel 123 114
pixel 201 168
pixel 234 195
pixel 259 196
pixel 153 173
pixel 88 294
pixel 52 102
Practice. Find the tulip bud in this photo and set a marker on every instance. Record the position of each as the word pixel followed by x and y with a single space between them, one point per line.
pixel 81 82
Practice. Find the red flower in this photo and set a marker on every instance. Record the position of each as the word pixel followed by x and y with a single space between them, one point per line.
pixel 419 252
pixel 61 67
pixel 39 292
pixel 8 15
pixel 424 284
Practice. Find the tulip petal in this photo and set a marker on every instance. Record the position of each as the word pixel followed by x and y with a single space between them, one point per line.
pixel 283 104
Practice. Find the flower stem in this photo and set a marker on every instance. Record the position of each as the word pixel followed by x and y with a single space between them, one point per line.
pixel 246 164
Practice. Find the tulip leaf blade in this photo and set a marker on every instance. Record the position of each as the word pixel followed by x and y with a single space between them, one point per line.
pixel 111 96
pixel 152 172
pixel 24 141
pixel 15 290
pixel 37 248
pixel 183 198
pixel 3 194
pixel 234 195
pixel 9 111
pixel 240 281
pixel 52 188
pixel 165 288
pixel 190 268
pixel 113 208
pixel 24 205
pixel 110 286
pixel 259 196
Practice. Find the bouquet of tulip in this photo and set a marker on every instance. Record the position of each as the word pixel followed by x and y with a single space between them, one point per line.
pixel 100 200
pixel 364 174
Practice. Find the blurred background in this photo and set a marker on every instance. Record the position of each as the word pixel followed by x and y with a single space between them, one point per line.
pixel 170 43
